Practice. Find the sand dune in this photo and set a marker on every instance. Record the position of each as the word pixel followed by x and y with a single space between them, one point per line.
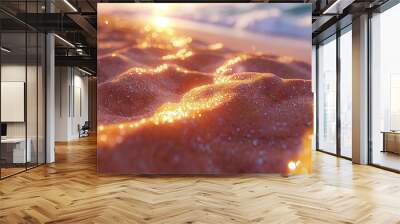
pixel 284 67
pixel 175 104
pixel 248 122
pixel 139 91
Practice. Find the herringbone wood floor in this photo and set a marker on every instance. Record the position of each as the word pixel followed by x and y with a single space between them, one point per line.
pixel 70 191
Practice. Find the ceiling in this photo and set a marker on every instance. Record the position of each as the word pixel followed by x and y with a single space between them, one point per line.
pixel 76 20
pixel 332 15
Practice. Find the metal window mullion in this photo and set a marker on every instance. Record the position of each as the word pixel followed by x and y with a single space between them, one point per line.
pixel 369 91
pixel 338 98
pixel 26 88
pixel 0 94
pixel 37 91
pixel 73 92
pixel 317 96
pixel 45 95
pixel 69 93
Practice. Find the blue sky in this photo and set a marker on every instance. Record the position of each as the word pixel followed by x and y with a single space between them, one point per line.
pixel 278 19
pixel 291 20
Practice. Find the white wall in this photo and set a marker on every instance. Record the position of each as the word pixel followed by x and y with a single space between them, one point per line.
pixel 33 127
pixel 71 93
pixel 81 103
pixel 9 73
pixel 61 103
pixel 16 73
pixel 13 101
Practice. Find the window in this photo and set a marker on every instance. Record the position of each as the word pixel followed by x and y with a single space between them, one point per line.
pixel 385 89
pixel 346 92
pixel 327 96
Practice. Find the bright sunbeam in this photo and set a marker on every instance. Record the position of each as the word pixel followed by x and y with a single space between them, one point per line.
pixel 161 21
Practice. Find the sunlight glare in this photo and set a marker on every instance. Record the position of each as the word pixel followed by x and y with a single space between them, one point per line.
pixel 161 21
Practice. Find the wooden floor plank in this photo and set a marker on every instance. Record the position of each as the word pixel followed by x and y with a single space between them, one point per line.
pixel 70 191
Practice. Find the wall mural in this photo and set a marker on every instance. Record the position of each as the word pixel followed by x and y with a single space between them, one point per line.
pixel 204 88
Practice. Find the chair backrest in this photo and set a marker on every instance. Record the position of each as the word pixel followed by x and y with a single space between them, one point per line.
pixel 86 124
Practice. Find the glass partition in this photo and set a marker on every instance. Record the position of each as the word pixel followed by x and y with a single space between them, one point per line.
pixel 22 78
pixel 13 95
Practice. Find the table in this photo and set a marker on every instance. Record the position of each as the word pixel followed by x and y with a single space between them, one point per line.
pixel 391 141
pixel 15 148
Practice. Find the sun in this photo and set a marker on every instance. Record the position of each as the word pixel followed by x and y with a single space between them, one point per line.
pixel 161 21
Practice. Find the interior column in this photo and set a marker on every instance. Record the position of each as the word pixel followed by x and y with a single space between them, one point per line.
pixel 360 90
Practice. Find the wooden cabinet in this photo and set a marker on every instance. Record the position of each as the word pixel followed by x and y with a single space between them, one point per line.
pixel 391 141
